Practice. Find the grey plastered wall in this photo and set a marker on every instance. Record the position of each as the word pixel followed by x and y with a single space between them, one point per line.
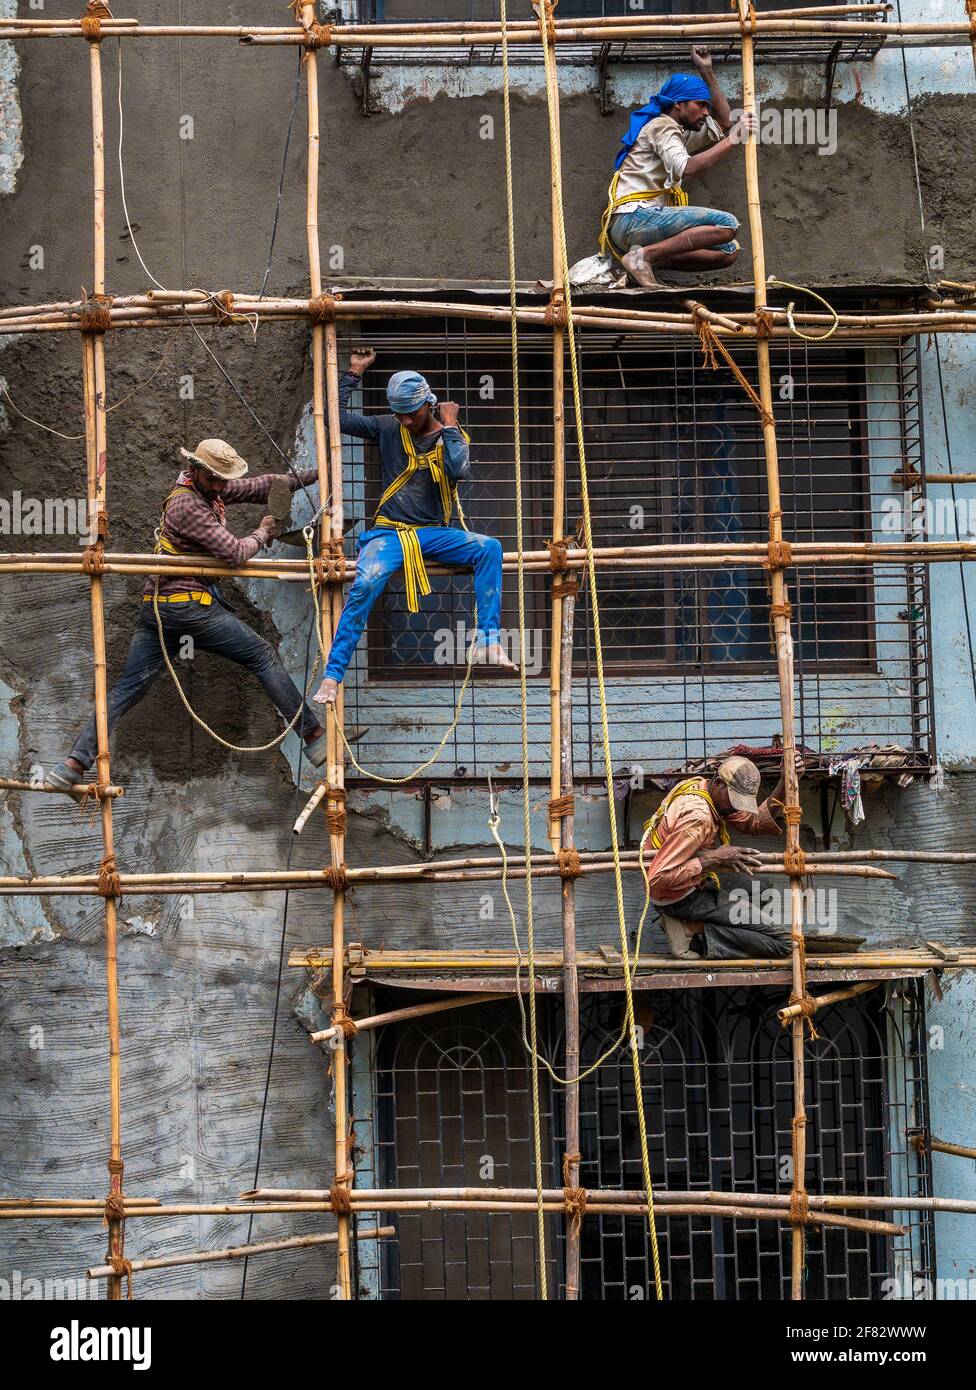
pixel 412 192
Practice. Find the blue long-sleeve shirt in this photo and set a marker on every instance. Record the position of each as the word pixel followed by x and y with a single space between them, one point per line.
pixel 418 503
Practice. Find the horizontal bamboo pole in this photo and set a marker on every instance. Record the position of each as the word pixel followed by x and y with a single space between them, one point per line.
pixel 820 1001
pixel 939 1146
pixel 463 1001
pixel 239 1252
pixel 82 789
pixel 406 963
pixel 75 1202
pixel 366 1198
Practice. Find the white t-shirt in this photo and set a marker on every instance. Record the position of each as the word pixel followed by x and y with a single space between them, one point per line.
pixel 659 157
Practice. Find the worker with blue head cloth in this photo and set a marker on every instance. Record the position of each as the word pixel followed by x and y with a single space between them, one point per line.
pixel 682 131
pixel 423 455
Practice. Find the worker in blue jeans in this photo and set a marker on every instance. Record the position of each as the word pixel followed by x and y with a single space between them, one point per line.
pixel 423 455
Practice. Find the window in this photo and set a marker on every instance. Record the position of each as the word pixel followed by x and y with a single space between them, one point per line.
pixel 674 454
pixel 717 1082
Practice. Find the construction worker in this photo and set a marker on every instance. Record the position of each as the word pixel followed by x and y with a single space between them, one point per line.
pixel 682 131
pixel 190 607
pixel 423 455
pixel 689 834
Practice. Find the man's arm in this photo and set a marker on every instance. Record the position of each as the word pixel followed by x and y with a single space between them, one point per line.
pixel 457 456
pixel 359 426
pixel 257 489
pixel 702 59
pixel 189 518
pixel 677 866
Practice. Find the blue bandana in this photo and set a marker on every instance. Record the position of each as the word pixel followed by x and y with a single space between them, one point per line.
pixel 681 86
pixel 407 391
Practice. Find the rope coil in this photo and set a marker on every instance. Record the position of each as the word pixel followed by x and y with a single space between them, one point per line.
pixel 322 308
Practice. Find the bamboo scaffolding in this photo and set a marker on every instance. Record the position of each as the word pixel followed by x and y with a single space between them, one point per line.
pixel 939 1146
pixel 86 789
pixel 239 1252
pixel 791 1012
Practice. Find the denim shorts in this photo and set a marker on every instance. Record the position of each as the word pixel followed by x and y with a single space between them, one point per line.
pixel 644 226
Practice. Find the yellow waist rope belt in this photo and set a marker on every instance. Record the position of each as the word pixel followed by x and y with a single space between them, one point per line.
pixel 676 198
pixel 690 787
pixel 414 571
pixel 164 546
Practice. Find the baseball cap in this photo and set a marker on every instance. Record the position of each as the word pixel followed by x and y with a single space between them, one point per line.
pixel 743 781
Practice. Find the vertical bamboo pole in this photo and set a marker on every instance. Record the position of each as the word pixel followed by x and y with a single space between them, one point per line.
pixel 329 461
pixel 561 832
pixel 93 365
pixel 570 977
pixel 784 644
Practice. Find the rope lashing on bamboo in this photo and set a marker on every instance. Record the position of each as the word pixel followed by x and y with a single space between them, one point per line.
pixel 335 811
pixel 793 815
pixel 794 860
pixel 95 314
pixel 764 323
pixel 802 289
pixel 330 566
pixel 123 1268
pixel 569 864
pixel 781 610
pixel 548 7
pixel 115 1165
pixel 560 806
pixel 91 21
pixel 223 304
pixel 337 878
pixel 779 555
pixel 710 340
pixel 343 1020
pixel 339 1198
pixel 747 25
pixel 114 1207
pixel 322 308
pixel 109 883
pixel 93 560
pixel 555 314
pixel 564 581
pixel 574 1197
pixel 318 35
pixel 799 1208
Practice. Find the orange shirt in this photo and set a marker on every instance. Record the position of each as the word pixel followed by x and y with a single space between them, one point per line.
pixel 688 826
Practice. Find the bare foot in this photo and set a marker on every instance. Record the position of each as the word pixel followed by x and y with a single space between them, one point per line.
pixel 327 692
pixel 637 267
pixel 493 655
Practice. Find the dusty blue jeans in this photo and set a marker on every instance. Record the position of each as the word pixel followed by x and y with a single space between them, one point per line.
pixel 644 226
pixel 381 555
pixel 212 629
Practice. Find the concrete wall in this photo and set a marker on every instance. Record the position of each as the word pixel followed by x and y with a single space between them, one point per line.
pixel 411 192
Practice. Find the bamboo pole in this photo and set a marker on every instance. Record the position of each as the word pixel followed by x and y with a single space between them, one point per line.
pixel 93 347
pixel 791 1012
pixel 462 1001
pixel 938 1146
pixel 329 455
pixel 82 790
pixel 573 1153
pixel 238 1252
pixel 310 806
pixel 783 639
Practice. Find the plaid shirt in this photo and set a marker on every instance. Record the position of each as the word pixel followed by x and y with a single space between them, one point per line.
pixel 194 526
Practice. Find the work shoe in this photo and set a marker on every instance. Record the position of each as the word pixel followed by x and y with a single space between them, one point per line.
pixel 638 269
pixel 493 655
pixel 317 750
pixel 64 779
pixel 678 938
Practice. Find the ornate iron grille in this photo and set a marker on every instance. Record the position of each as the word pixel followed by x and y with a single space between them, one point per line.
pixel 451 1108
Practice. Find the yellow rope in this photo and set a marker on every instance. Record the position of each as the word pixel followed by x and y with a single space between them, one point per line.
pixel 630 966
pixel 551 87
pixel 523 688
pixel 237 747
pixel 802 289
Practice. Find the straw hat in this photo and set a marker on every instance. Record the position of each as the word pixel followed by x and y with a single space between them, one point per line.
pixel 218 457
